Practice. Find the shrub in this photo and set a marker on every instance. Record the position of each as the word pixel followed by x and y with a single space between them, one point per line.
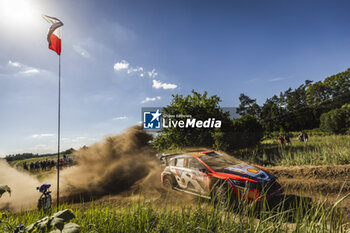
pixel 220 141
pixel 336 121
pixel 247 132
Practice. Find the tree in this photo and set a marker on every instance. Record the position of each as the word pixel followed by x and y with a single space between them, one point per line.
pixel 272 114
pixel 317 93
pixel 241 133
pixel 338 84
pixel 248 106
pixel 247 132
pixel 336 121
pixel 297 98
pixel 200 107
pixel 289 111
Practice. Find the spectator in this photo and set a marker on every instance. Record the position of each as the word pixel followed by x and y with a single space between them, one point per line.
pixel 305 136
pixel 281 140
pixel 301 136
pixel 25 166
pixel 46 165
pixel 37 166
pixel 287 140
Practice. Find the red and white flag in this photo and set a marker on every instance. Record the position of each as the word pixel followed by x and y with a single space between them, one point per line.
pixel 54 35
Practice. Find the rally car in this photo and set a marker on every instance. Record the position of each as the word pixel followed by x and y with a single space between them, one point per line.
pixel 210 174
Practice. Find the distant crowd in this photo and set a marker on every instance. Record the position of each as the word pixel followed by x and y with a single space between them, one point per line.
pixel 303 137
pixel 285 140
pixel 47 165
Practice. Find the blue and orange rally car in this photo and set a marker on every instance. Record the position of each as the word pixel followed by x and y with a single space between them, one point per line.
pixel 208 174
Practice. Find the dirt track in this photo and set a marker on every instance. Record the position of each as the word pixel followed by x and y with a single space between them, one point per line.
pixel 317 182
pixel 327 180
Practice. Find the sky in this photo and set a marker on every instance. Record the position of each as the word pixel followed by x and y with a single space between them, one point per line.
pixel 118 56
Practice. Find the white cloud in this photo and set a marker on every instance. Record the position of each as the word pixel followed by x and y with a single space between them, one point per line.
pixel 19 68
pixel 43 135
pixel 252 80
pixel 31 71
pixel 77 139
pixel 276 79
pixel 138 70
pixel 159 84
pixel 150 99
pixel 14 64
pixel 41 148
pixel 120 118
pixel 152 74
pixel 121 65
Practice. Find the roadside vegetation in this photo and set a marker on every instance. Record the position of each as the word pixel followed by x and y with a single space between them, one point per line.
pixel 322 106
pixel 319 150
pixel 289 215
pixel 19 159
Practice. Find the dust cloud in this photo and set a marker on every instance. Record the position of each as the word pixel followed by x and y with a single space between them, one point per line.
pixel 23 192
pixel 121 163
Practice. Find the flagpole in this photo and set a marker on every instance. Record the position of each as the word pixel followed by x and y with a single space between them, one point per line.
pixel 59 131
pixel 54 39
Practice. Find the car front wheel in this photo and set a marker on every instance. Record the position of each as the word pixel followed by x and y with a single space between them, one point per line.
pixel 222 193
pixel 168 182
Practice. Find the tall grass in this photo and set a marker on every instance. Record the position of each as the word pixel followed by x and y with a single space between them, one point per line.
pixel 319 150
pixel 148 216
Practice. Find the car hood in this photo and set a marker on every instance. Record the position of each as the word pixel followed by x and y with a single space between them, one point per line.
pixel 249 171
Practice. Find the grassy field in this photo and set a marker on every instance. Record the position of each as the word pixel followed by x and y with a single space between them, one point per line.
pixel 319 150
pixel 288 214
pixel 148 216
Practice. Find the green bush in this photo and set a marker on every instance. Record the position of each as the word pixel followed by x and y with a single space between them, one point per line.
pixel 240 133
pixel 247 132
pixel 336 121
pixel 220 141
pixel 200 107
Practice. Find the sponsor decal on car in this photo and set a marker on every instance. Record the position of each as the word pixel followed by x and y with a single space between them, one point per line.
pixel 252 170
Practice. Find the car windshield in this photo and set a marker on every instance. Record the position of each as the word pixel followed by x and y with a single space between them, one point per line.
pixel 219 161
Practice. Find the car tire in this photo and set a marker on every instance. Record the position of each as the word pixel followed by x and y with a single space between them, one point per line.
pixel 223 194
pixel 168 182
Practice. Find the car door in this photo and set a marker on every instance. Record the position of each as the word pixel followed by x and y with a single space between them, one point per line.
pixel 186 176
pixel 180 172
pixel 198 179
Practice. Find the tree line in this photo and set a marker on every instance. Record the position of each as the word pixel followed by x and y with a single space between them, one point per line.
pixel 245 131
pixel 22 156
pixel 324 104
pixel 311 105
